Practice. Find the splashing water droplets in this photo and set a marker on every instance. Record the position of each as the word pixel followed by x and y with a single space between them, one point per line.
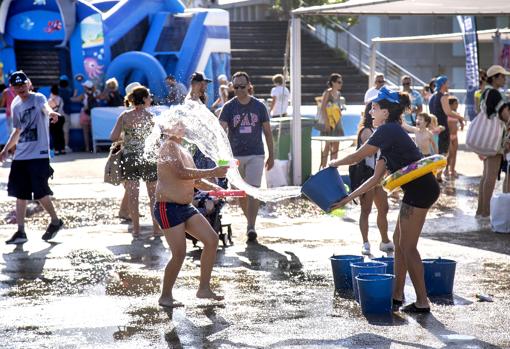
pixel 202 128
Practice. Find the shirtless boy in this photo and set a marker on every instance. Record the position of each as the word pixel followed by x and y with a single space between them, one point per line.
pixel 177 178
pixel 424 138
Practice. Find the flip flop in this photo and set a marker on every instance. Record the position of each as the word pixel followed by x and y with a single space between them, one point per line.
pixel 412 308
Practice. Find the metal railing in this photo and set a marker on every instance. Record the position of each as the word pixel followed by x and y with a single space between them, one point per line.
pixel 359 53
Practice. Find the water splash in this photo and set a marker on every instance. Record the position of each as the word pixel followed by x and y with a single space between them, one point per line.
pixel 204 130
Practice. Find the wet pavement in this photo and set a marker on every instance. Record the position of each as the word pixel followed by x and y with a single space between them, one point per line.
pixel 93 288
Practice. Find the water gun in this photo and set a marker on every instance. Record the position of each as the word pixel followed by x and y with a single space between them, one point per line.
pixel 228 193
pixel 232 163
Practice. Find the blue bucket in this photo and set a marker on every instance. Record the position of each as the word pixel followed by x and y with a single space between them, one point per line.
pixel 365 268
pixel 341 266
pixel 375 293
pixel 325 188
pixel 388 260
pixel 439 276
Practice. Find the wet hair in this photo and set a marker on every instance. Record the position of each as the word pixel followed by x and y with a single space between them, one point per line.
pixel 136 96
pixel 491 79
pixel 426 88
pixel 334 78
pixel 54 89
pixel 241 74
pixel 426 117
pixel 452 100
pixel 278 79
pixel 395 110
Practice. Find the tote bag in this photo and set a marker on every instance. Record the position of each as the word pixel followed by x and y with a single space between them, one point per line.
pixel 485 135
pixel 113 169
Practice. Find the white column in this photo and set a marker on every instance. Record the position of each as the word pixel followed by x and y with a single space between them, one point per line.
pixel 295 90
pixel 373 60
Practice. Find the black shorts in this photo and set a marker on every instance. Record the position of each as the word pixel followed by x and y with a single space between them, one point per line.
pixel 444 142
pixel 422 192
pixel 29 177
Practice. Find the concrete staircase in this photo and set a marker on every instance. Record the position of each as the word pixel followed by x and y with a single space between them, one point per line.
pixel 259 48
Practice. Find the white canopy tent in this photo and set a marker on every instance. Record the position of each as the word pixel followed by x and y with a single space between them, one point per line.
pixel 371 8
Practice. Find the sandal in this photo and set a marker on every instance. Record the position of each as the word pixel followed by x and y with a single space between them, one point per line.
pixel 396 304
pixel 412 308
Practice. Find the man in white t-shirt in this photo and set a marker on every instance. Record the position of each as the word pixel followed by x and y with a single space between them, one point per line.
pixel 373 91
pixel 30 169
pixel 279 98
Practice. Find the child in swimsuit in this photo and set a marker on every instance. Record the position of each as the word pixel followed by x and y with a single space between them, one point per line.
pixel 454 142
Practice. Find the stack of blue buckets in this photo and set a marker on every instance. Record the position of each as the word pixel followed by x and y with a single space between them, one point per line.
pixel 371 283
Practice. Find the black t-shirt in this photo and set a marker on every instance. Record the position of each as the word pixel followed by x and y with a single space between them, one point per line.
pixel 397 148
pixel 493 100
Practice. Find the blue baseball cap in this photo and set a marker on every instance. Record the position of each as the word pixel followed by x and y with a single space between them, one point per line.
pixel 440 81
pixel 387 94
pixel 63 78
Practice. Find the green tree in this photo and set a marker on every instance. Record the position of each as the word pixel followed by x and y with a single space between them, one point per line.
pixel 283 8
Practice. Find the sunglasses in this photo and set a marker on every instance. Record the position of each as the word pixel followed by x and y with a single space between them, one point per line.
pixel 237 87
pixel 406 83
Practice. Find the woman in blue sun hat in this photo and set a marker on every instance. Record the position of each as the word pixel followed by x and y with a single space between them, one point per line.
pixel 397 150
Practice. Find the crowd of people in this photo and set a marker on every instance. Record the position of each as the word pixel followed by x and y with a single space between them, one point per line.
pixel 383 145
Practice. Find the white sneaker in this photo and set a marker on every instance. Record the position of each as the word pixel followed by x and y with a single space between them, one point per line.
pixel 365 250
pixel 68 149
pixel 387 246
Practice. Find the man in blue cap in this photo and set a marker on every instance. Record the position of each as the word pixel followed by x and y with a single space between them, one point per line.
pixel 439 106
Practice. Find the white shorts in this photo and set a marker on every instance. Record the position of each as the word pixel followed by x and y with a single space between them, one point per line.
pixel 251 169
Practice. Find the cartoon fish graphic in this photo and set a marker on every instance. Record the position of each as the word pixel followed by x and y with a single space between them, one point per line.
pixel 53 26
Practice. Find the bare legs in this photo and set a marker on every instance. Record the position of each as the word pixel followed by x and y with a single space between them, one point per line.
pixel 133 194
pixel 199 228
pixel 379 197
pixel 250 207
pixel 86 136
pixel 491 167
pixel 407 258
pixel 452 157
pixel 331 150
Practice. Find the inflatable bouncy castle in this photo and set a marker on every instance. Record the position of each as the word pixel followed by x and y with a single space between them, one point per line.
pixel 132 40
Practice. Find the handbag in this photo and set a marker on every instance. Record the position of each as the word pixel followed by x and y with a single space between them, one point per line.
pixel 359 173
pixel 113 169
pixel 484 135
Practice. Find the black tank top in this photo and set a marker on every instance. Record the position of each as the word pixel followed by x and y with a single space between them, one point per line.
pixel 437 109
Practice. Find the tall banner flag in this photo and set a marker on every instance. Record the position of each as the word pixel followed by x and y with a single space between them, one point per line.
pixel 468 27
